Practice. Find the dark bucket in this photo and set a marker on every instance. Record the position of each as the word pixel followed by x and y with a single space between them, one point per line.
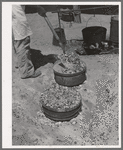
pixel 114 27
pixel 61 34
pixel 95 34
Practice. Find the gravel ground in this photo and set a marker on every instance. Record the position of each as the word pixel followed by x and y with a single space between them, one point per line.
pixel 97 123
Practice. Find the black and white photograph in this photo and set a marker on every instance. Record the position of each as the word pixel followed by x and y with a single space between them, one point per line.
pixel 64 74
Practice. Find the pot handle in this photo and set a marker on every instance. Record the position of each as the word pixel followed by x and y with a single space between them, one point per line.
pixel 95 19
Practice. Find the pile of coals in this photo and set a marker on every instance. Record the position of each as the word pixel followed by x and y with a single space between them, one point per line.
pixel 71 63
pixel 60 98
pixel 98 48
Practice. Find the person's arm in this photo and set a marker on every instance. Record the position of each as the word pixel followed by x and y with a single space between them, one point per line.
pixel 33 8
pixel 30 9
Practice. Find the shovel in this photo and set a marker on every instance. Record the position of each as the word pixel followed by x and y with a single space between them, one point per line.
pixel 42 13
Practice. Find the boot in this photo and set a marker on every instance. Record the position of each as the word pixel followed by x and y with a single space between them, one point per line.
pixel 26 68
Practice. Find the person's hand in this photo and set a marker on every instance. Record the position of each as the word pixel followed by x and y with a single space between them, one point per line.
pixel 41 11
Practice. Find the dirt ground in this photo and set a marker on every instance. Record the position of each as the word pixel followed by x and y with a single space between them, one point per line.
pixel 97 123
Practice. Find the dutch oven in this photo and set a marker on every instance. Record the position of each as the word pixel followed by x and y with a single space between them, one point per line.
pixel 61 116
pixel 67 16
pixel 69 80
pixel 60 103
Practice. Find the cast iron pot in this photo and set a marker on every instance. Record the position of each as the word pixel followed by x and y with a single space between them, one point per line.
pixel 67 16
pixel 63 115
pixel 69 80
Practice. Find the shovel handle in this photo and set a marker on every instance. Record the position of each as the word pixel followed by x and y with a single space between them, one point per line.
pixel 54 33
pixel 49 24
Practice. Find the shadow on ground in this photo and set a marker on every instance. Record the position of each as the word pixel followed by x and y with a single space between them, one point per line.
pixel 38 59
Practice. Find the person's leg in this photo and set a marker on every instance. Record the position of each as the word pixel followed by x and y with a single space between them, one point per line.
pixel 24 63
pixel 22 32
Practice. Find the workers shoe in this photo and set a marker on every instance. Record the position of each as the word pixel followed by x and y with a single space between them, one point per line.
pixel 36 74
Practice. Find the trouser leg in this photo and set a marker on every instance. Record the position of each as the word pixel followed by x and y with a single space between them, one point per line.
pixel 14 57
pixel 22 48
